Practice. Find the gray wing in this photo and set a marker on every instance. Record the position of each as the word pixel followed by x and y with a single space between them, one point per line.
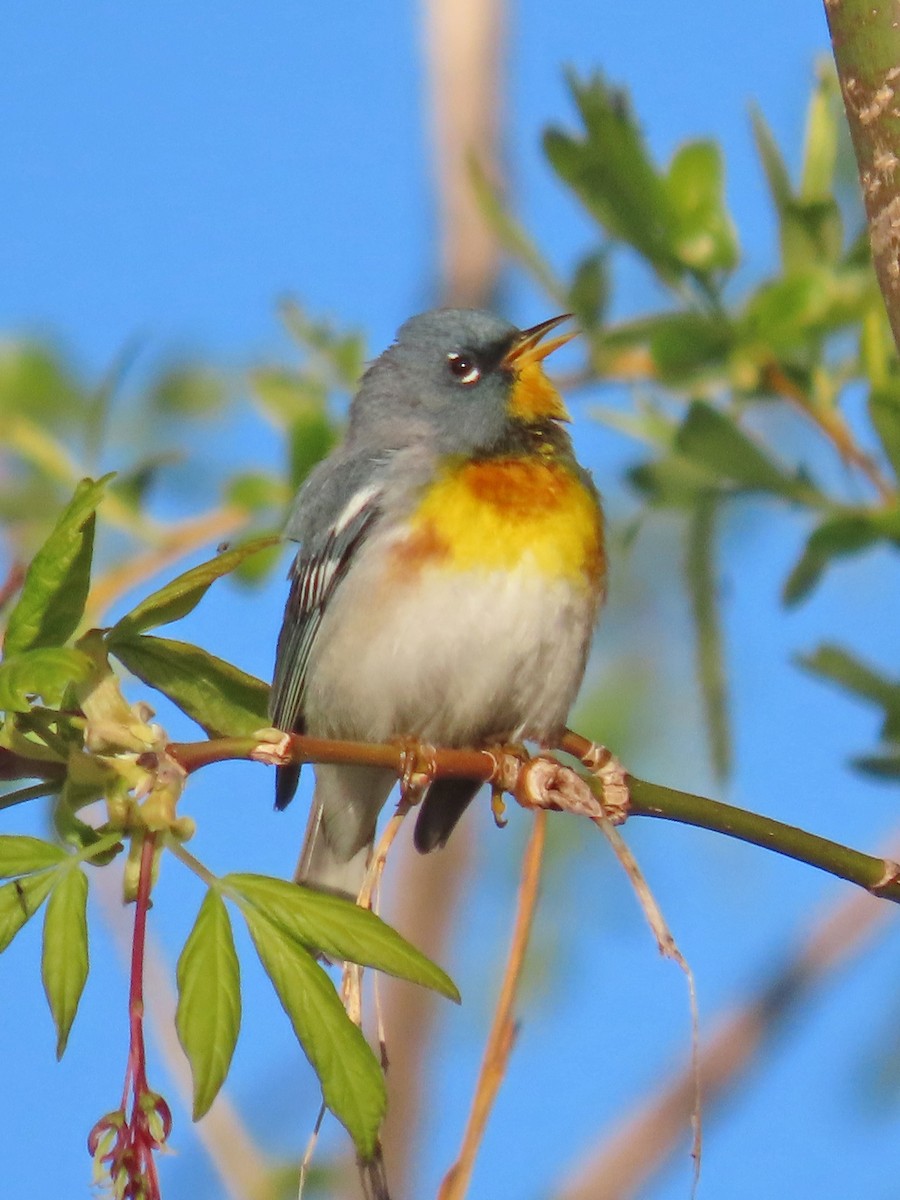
pixel 322 561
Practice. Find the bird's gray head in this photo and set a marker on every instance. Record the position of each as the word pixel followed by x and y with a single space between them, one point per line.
pixel 463 378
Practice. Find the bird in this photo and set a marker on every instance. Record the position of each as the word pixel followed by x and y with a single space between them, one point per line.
pixel 450 570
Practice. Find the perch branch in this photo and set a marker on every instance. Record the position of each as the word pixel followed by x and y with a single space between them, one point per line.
pixel 880 876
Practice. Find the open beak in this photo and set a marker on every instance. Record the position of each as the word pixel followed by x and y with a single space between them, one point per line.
pixel 530 347
pixel 533 398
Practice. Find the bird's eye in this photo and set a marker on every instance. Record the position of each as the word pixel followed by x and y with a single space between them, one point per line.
pixel 463 369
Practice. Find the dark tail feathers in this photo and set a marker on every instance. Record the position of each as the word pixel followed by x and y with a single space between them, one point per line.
pixel 445 802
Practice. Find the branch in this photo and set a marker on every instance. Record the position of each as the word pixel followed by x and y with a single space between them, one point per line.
pixel 625 1161
pixel 561 789
pixel 866 41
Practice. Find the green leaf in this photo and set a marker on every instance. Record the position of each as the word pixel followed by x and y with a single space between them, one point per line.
pixel 837 665
pixel 847 533
pixel 611 173
pixel 183 594
pixel 64 960
pixel 884 411
pixel 222 699
pixel 881 766
pixel 310 439
pixel 809 225
pixel 589 291
pixel 208 1016
pixel 189 390
pixel 704 235
pixel 777 176
pixel 686 342
pixel 340 929
pixel 20 900
pixel 37 382
pixel 56 584
pixel 341 355
pixel 45 672
pixel 821 142
pixel 672 481
pixel 710 438
pixel 20 855
pixel 703 592
pixel 257 492
pixel 351 1079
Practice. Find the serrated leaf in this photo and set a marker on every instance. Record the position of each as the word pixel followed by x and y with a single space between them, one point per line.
pixel 208 1017
pixel 64 958
pixel 183 594
pixel 56 584
pixel 20 900
pixel 222 699
pixel 349 1074
pixel 20 855
pixel 46 672
pixel 609 170
pixel 340 929
pixel 710 438
pixel 836 537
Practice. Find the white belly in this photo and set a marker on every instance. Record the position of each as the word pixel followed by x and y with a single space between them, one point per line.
pixel 449 658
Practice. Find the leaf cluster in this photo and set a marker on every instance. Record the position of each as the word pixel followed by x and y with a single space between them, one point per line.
pixel 66 724
pixel 714 365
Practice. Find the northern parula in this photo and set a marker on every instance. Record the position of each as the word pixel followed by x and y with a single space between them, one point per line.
pixel 450 571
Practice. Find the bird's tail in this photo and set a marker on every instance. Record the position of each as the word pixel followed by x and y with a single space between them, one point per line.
pixel 341 828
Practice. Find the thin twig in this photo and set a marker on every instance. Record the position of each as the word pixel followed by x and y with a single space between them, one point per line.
pixel 503 1029
pixel 669 948
pixel 632 1153
pixel 832 425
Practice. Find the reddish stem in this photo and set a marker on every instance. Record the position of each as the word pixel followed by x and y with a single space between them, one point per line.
pixel 136 1072
pixel 126 1142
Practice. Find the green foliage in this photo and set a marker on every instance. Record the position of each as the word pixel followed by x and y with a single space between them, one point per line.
pixel 64 961
pixel 56 584
pixel 351 1079
pixel 710 366
pixel 64 714
pixel 848 672
pixel 705 362
pixel 208 1017
pixel 224 700
pixel 339 929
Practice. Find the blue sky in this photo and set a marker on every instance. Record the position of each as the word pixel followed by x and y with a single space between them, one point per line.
pixel 169 175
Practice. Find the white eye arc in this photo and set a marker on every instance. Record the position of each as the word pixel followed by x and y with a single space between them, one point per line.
pixel 463 368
